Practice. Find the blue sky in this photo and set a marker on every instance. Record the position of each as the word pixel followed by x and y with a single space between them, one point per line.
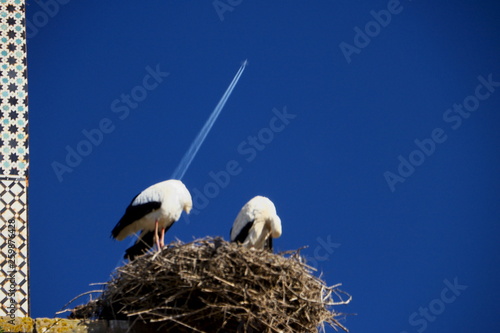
pixel 372 125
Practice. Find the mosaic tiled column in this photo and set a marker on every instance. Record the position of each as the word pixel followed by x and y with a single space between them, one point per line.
pixel 14 283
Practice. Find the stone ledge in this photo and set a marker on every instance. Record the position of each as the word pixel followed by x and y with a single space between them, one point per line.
pixel 61 325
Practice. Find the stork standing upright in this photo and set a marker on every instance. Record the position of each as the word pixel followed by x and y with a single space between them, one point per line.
pixel 257 224
pixel 153 211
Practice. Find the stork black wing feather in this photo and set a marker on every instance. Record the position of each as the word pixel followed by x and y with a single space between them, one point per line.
pixel 240 238
pixel 134 213
pixel 143 244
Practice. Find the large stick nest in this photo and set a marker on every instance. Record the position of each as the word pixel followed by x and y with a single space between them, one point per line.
pixel 210 285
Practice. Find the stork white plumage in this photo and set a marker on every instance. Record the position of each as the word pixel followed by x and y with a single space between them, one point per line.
pixel 257 224
pixel 156 208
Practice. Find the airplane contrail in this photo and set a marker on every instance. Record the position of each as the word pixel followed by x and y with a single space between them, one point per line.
pixel 202 135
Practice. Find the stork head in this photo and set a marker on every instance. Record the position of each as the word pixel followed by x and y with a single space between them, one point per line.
pixel 267 211
pixel 183 195
pixel 186 200
pixel 275 226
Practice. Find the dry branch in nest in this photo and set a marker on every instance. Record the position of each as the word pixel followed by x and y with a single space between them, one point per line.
pixel 210 285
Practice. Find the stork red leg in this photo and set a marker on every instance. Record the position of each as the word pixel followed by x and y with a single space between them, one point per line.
pixel 157 238
pixel 162 237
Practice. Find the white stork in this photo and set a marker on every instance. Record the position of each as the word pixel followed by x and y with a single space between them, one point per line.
pixel 156 208
pixel 257 224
